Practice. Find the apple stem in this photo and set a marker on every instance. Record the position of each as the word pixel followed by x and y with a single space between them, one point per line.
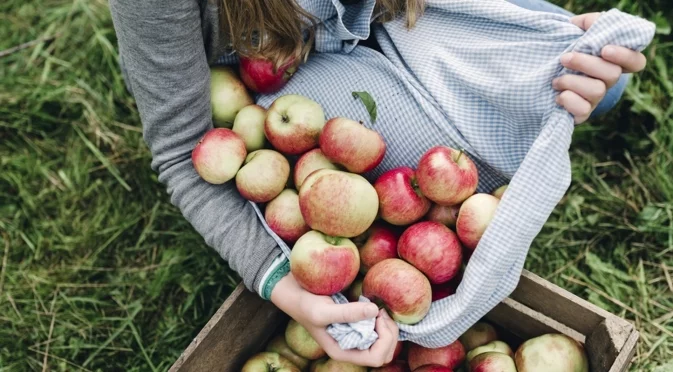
pixel 333 240
pixel 459 155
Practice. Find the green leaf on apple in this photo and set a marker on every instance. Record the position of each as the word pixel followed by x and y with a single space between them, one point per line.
pixel 369 103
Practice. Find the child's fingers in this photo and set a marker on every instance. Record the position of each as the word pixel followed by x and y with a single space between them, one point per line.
pixel 575 104
pixel 629 60
pixel 343 313
pixel 584 21
pixel 593 66
pixel 593 90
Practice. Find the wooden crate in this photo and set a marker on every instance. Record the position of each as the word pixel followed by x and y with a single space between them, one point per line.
pixel 245 322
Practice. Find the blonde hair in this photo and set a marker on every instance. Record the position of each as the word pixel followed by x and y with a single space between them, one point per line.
pixel 275 29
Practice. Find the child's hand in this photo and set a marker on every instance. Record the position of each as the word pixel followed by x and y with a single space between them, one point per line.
pixel 315 313
pixel 581 94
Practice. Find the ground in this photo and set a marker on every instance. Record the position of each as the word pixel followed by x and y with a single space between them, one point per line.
pixel 100 272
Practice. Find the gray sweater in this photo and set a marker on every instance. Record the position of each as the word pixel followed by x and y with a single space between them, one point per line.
pixel 165 49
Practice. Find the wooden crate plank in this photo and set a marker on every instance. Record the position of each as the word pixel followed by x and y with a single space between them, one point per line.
pixel 238 329
pixel 623 361
pixel 606 342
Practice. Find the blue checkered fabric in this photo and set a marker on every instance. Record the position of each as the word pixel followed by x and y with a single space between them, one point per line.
pixel 472 74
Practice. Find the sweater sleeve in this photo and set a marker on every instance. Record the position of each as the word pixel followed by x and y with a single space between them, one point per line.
pixel 165 67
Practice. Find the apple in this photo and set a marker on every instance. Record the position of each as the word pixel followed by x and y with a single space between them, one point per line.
pixel 479 334
pixel 444 214
pixel 218 155
pixel 322 264
pixel 355 290
pixel 279 345
pixel 338 203
pixel 443 290
pixel 249 125
pixel 269 362
pixel 446 176
pixel 400 200
pixel 301 342
pixel 310 162
pixel 284 217
pixel 497 346
pixel 497 362
pixel 376 244
pixel 331 365
pixel 499 191
pixel 227 96
pixel 395 366
pixel 403 290
pixel 263 176
pixel 450 356
pixel 551 353
pixel 433 249
pixel 351 144
pixel 398 349
pixel 261 76
pixel 433 368
pixel 473 218
pixel 293 124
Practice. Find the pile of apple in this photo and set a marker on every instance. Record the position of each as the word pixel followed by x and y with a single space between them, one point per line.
pixel 477 350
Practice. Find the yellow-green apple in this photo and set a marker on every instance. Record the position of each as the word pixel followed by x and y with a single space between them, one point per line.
pixel 355 290
pixel 227 96
pixel 338 203
pixel 280 346
pixel 473 218
pixel 497 346
pixel 322 264
pixel 446 176
pixel 351 144
pixel 551 353
pixel 443 290
pixel 433 249
pixel 493 361
pixel 447 215
pixel 293 124
pixel 481 333
pixel 283 216
pixel 400 200
pixel 376 244
pixel 218 155
pixel 450 356
pixel 269 362
pixel 331 365
pixel 499 191
pixel 433 368
pixel 249 125
pixel 402 289
pixel 395 366
pixel 263 175
pixel 261 76
pixel 310 162
pixel 301 342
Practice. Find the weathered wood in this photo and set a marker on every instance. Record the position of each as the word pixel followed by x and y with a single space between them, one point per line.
pixel 239 328
pixel 623 361
pixel 605 343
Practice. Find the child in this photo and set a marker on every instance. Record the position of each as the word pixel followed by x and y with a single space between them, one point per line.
pixel 166 49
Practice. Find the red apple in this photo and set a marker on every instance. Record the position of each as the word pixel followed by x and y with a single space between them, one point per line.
pixel 432 248
pixel 263 176
pixel 338 203
pixel 400 200
pixel 227 96
pixel 433 368
pixel 443 290
pixel 310 162
pixel 403 289
pixel 261 76
pixel 500 191
pixel 398 349
pixel 446 176
pixel 269 362
pixel 284 217
pixel 331 365
pixel 551 353
pixel 280 346
pixel 450 356
pixel 473 219
pixel 497 346
pixel 218 155
pixel 293 124
pixel 351 144
pixel 446 215
pixel 324 265
pixel 498 362
pixel 249 125
pixel 395 366
pixel 479 334
pixel 376 244
pixel 301 342
pixel 355 290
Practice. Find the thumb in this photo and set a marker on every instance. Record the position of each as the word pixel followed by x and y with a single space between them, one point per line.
pixel 347 313
pixel 584 21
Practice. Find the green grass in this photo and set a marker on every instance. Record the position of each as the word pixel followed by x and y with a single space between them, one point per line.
pixel 100 272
